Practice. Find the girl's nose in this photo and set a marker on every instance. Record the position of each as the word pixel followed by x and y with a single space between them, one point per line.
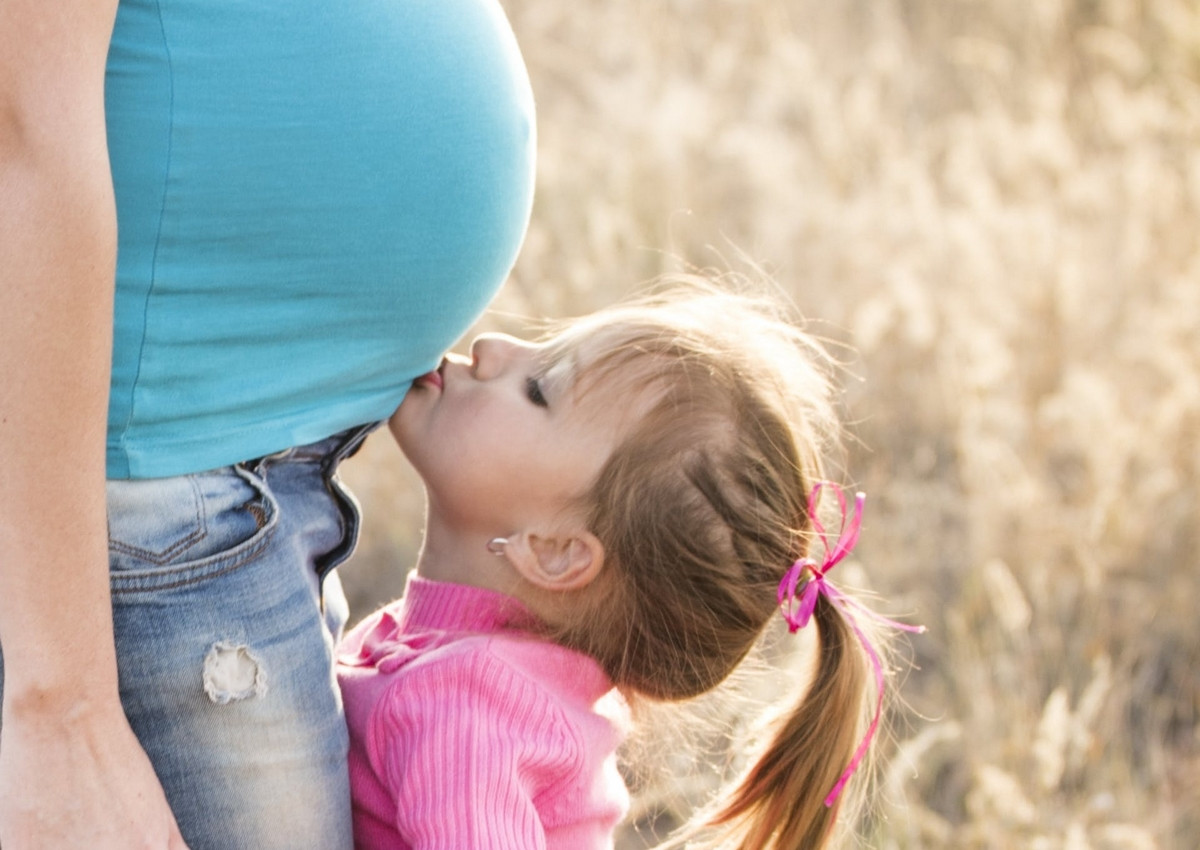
pixel 491 354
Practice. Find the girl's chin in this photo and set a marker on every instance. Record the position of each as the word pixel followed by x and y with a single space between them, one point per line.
pixel 395 425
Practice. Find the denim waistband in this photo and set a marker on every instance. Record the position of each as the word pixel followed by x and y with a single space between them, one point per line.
pixel 329 452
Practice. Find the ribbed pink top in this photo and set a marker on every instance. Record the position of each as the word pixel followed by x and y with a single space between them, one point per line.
pixel 468 734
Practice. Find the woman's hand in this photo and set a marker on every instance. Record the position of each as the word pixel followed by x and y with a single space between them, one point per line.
pixel 78 781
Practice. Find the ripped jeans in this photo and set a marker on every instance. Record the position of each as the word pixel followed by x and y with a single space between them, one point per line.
pixel 226 612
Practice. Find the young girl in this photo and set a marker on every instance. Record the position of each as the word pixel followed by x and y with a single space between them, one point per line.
pixel 620 509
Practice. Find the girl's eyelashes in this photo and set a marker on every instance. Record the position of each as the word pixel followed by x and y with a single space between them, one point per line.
pixel 533 390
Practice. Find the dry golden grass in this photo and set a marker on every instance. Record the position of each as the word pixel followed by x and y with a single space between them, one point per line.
pixel 996 204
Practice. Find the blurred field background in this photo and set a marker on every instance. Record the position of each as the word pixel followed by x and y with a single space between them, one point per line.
pixel 996 204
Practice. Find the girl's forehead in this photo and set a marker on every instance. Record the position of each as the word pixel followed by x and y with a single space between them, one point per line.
pixel 589 358
pixel 603 379
pixel 592 343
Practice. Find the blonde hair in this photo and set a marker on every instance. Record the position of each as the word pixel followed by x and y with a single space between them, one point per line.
pixel 701 509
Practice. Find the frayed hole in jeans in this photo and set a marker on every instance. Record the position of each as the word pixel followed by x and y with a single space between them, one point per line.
pixel 232 673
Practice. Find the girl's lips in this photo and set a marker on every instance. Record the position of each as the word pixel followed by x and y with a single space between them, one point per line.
pixel 432 379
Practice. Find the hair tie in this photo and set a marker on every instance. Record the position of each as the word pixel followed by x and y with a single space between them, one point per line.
pixel 798 600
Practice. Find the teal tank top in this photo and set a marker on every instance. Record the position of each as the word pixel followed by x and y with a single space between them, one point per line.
pixel 315 199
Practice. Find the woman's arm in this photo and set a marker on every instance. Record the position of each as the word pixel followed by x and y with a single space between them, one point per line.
pixel 71 772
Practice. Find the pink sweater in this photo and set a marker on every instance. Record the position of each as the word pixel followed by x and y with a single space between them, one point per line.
pixel 467 734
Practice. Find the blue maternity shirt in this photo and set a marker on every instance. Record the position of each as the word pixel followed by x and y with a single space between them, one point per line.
pixel 315 199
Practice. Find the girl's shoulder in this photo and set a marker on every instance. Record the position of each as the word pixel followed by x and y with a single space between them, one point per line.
pixel 505 671
pixel 549 665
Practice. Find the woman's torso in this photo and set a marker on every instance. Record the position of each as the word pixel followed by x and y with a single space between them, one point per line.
pixel 315 199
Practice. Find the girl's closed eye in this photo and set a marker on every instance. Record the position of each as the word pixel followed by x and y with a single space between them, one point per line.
pixel 533 390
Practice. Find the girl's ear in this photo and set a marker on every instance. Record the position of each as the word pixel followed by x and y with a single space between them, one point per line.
pixel 562 561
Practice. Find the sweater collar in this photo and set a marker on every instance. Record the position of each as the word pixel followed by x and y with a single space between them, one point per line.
pixel 444 606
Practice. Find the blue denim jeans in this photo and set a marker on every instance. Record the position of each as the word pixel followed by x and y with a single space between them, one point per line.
pixel 226 611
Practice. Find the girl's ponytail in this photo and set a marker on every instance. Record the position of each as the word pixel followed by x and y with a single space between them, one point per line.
pixel 782 803
pixel 789 799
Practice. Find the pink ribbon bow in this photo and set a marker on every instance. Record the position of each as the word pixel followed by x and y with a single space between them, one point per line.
pixel 798 608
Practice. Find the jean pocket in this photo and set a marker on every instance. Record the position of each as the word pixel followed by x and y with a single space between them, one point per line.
pixel 169 531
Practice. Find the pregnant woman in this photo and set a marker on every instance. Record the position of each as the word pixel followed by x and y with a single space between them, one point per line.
pixel 231 234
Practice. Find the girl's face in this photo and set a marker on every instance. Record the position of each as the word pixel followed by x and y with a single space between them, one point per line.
pixel 504 440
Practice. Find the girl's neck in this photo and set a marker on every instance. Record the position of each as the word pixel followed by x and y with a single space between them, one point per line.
pixel 463 558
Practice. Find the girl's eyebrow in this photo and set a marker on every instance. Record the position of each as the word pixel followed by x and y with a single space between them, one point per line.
pixel 559 372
